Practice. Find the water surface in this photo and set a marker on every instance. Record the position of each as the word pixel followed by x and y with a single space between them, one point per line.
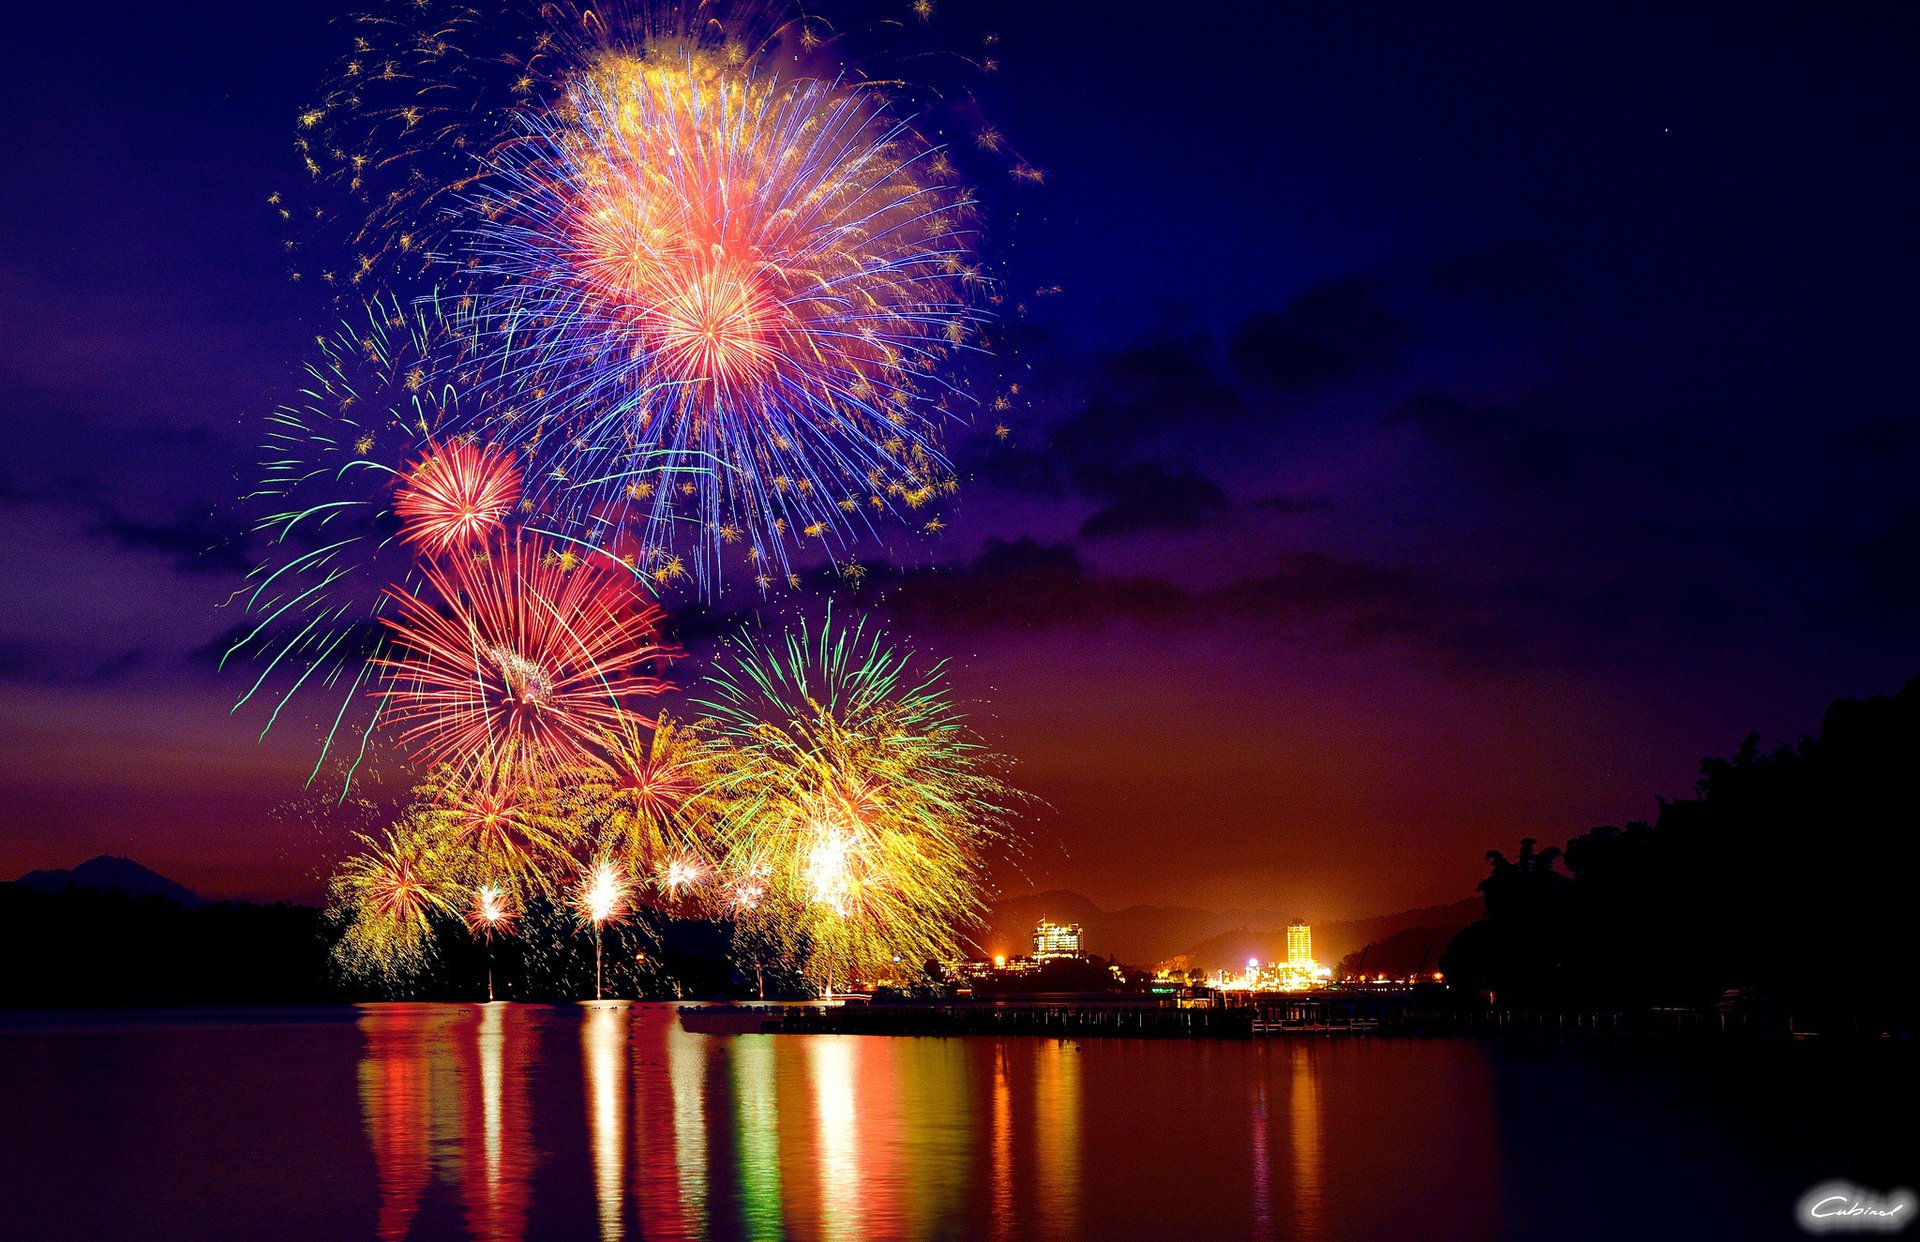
pixel 614 1121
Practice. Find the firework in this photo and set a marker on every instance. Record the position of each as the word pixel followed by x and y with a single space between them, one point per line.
pixel 428 84
pixel 519 659
pixel 648 802
pixel 723 301
pixel 488 913
pixel 681 875
pixel 709 250
pixel 601 895
pixel 389 895
pixel 861 809
pixel 456 495
pixel 601 898
pixel 499 826
pixel 330 464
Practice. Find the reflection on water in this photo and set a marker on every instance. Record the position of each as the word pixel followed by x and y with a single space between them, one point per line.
pixel 838 1124
pixel 758 1124
pixel 1307 1162
pixel 603 1036
pixel 613 1120
pixel 687 1071
pixel 443 1098
pixel 496 1199
pixel 393 1097
pixel 1002 1145
pixel 1262 1165
pixel 1057 1135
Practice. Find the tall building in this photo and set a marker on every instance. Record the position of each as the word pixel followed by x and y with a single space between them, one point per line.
pixel 1300 944
pixel 1056 940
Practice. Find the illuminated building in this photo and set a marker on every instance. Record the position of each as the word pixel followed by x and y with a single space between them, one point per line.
pixel 1298 973
pixel 1051 940
pixel 1300 944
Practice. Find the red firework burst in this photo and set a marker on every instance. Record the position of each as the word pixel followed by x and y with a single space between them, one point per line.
pixel 489 912
pixel 458 493
pixel 524 660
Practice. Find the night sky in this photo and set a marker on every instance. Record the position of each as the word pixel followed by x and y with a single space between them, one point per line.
pixel 1449 426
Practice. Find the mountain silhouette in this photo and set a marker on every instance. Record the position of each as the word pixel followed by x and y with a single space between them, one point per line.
pixel 108 874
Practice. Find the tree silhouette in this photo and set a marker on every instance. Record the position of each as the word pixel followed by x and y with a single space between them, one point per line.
pixel 1783 877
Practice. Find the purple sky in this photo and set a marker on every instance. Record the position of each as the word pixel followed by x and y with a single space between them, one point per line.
pixel 1449 428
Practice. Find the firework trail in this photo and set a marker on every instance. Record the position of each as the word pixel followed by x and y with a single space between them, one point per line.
pixel 340 502
pixel 489 912
pixel 860 808
pixel 601 898
pixel 602 893
pixel 518 660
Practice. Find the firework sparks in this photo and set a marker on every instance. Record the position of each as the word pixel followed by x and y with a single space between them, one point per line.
pixel 601 898
pixel 426 83
pixel 522 663
pixel 501 827
pixel 489 913
pixel 680 876
pixel 743 284
pixel 706 299
pixel 648 800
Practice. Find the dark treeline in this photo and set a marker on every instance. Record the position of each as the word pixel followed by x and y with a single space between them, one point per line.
pixel 86 947
pixel 1786 879
pixel 1068 974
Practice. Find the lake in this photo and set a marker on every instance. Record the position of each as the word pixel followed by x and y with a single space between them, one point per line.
pixel 614 1121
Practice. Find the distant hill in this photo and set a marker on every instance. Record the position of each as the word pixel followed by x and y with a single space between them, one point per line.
pixel 109 874
pixel 1214 939
pixel 1399 955
pixel 1333 941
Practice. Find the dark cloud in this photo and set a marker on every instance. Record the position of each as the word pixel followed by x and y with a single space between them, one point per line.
pixel 196 541
pixel 1888 443
pixel 1290 506
pixel 1463 625
pixel 1011 467
pixel 119 665
pixel 13 491
pixel 1019 584
pixel 1149 497
pixel 1162 391
pixel 30 663
pixel 1334 332
pixel 1009 584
